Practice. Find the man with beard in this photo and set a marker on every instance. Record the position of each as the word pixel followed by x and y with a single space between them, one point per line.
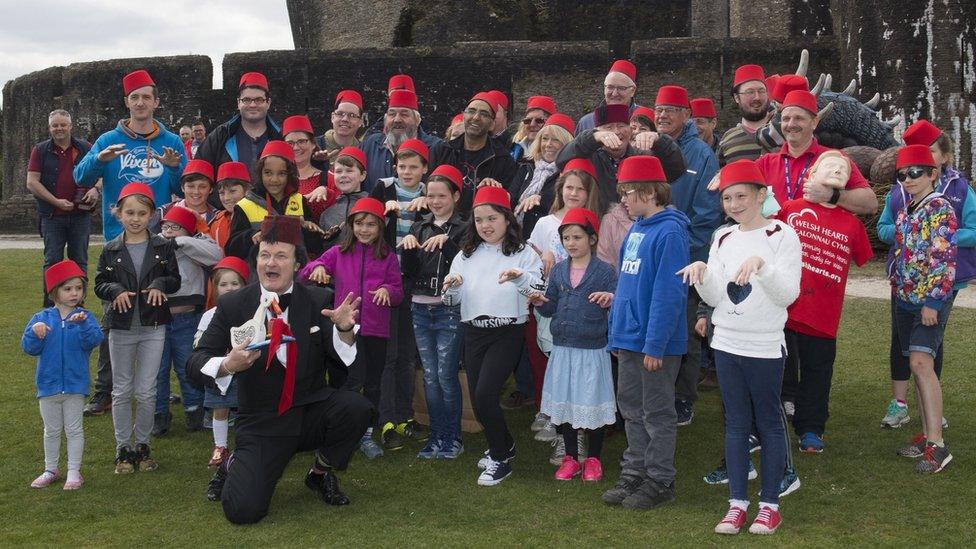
pixel 690 195
pixel 482 160
pixel 619 88
pixel 750 94
pixel 242 138
pixel 399 124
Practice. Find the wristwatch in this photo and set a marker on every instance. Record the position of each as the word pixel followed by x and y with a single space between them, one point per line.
pixel 835 197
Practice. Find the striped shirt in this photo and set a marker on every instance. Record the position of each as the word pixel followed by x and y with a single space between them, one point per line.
pixel 406 219
pixel 739 143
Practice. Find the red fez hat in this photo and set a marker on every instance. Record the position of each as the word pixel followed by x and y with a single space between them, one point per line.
pixel 235 264
pixel 582 217
pixel 201 167
pixel 296 123
pixel 450 173
pixel 563 121
pixel 771 82
pixel 369 205
pixel 357 154
pixel 492 195
pixel 646 112
pixel 746 73
pixel 500 98
pixel 401 82
pixel 541 102
pixel 182 217
pixel 61 272
pixel 458 118
pixel 740 171
pixel 581 164
pixel 625 68
pixel 702 107
pixel 611 114
pixel 921 132
pixel 416 146
pixel 233 170
pixel 136 188
pixel 672 95
pixel 640 168
pixel 803 99
pixel 914 155
pixel 135 80
pixel 402 99
pixel 255 80
pixel 282 228
pixel 488 98
pixel 787 83
pixel 349 96
pixel 278 148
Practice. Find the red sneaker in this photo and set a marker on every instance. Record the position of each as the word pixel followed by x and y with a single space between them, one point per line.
pixel 569 469
pixel 218 456
pixel 734 520
pixel 592 470
pixel 767 521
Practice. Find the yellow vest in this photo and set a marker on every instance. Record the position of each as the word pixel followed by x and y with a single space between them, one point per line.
pixel 256 212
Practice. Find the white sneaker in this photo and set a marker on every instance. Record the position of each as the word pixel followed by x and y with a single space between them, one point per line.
pixel 895 416
pixel 790 408
pixel 547 433
pixel 540 422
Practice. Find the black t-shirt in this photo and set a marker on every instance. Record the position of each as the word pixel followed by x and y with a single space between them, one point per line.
pixel 470 160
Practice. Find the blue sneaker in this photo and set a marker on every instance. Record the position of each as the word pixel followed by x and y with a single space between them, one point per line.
pixel 721 475
pixel 450 449
pixel 431 449
pixel 789 484
pixel 811 443
pixel 369 448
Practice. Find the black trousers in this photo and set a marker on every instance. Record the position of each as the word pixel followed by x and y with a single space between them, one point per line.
pixel 814 358
pixel 366 372
pixel 399 372
pixel 490 356
pixel 332 426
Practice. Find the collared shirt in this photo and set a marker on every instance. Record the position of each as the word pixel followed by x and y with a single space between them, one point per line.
pixel 248 148
pixel 775 165
pixel 64 187
pixel 347 353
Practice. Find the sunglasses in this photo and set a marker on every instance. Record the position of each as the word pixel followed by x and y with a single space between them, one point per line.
pixel 537 120
pixel 912 173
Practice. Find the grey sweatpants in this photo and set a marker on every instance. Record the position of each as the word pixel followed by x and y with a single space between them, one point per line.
pixel 62 412
pixel 646 401
pixel 136 354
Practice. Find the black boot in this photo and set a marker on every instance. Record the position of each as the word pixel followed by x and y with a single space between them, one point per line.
pixel 194 420
pixel 216 485
pixel 327 486
pixel 161 423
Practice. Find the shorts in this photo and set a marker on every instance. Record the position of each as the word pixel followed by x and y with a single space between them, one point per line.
pixel 912 335
pixel 213 399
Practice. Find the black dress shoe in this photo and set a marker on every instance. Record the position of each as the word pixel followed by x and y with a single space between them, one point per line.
pixel 216 485
pixel 327 486
pixel 161 423
pixel 194 420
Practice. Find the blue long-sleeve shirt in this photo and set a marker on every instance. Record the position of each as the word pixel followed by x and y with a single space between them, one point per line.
pixel 62 356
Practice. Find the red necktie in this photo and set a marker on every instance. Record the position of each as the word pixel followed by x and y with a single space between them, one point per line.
pixel 280 328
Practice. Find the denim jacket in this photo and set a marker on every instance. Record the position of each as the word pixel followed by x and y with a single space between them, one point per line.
pixel 576 322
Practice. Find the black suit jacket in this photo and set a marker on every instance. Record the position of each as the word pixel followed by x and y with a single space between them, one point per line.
pixel 259 389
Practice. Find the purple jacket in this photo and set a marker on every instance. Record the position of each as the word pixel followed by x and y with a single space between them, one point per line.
pixel 359 272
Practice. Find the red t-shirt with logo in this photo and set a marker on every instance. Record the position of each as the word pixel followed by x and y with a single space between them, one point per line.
pixel 830 238
pixel 774 167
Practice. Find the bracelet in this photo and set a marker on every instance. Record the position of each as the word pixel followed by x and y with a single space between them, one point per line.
pixel 835 197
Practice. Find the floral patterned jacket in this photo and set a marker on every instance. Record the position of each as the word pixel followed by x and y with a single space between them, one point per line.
pixel 924 266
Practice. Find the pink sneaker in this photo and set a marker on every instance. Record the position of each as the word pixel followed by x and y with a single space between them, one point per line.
pixel 592 470
pixel 569 469
pixel 734 520
pixel 767 521
pixel 46 478
pixel 75 484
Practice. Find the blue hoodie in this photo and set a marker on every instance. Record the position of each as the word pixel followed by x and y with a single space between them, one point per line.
pixel 62 364
pixel 648 314
pixel 135 165
pixel 690 192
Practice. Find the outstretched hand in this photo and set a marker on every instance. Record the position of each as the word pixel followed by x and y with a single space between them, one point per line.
pixel 694 273
pixel 345 315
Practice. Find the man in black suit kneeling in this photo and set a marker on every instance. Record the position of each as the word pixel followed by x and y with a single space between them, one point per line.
pixel 285 405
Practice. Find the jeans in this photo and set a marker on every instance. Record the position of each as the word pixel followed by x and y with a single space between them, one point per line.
pixel 438 332
pixel 646 401
pixel 176 351
pixel 900 370
pixel 103 373
pixel 750 383
pixel 135 360
pixel 59 231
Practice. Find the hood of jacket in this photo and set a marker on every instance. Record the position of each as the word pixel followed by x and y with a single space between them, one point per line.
pixel 645 223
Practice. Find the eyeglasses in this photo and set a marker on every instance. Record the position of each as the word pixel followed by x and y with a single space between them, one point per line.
pixel 912 173
pixel 617 89
pixel 625 194
pixel 758 92
pixel 348 115
pixel 528 121
pixel 668 110
pixel 171 227
pixel 298 142
pixel 478 112
pixel 252 100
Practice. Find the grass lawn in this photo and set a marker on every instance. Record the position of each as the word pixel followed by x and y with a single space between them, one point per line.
pixel 857 493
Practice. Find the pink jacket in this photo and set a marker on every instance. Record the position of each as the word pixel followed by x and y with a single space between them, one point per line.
pixel 359 272
pixel 613 229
